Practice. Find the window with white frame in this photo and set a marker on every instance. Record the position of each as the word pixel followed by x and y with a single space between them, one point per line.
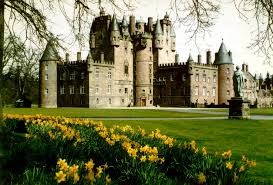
pixel 126 90
pixel 97 89
pixel 208 79
pixel 204 91
pixel 196 77
pixel 183 77
pixel 82 89
pixel 196 90
pixel 72 75
pixel 109 75
pixel 97 73
pixel 214 78
pixel 46 91
pixel 62 89
pixel 171 77
pixel 82 75
pixel 109 89
pixel 46 67
pixel 204 77
pixel 214 91
pixel 71 89
pixel 46 77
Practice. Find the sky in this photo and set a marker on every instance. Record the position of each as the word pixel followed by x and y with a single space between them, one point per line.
pixel 235 32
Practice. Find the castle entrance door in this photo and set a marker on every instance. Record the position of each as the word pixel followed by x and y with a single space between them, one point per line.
pixel 143 102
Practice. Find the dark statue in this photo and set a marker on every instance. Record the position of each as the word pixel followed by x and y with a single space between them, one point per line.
pixel 238 82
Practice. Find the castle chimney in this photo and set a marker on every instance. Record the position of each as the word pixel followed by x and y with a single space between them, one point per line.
pixel 246 68
pixel 132 25
pixel 176 58
pixel 230 54
pixel 67 57
pixel 199 59
pixel 243 67
pixel 208 57
pixel 150 24
pixel 79 56
pixel 102 57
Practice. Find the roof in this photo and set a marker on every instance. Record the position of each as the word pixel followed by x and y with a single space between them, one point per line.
pixel 124 22
pixel 50 53
pixel 114 26
pixel 223 56
pixel 158 29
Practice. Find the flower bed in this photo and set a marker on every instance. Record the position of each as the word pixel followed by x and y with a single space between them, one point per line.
pixel 74 151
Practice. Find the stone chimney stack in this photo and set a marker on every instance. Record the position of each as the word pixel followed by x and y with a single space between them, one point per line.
pixel 208 57
pixel 199 59
pixel 102 57
pixel 150 24
pixel 79 56
pixel 132 25
pixel 67 57
pixel 176 58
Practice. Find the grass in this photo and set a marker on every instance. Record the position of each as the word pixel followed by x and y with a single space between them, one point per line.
pixel 251 137
pixel 256 111
pixel 104 113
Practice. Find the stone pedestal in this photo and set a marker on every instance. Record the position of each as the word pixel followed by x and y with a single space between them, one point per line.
pixel 239 108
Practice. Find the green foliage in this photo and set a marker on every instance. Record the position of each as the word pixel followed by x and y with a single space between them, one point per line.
pixel 34 156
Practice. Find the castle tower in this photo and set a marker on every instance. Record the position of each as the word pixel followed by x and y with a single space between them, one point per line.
pixel 223 59
pixel 48 77
pixel 115 32
pixel 173 39
pixel 144 70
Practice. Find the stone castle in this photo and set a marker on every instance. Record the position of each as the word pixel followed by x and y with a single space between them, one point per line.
pixel 135 64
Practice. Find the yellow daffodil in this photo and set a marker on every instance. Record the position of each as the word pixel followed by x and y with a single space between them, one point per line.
pixel 204 151
pixel 227 154
pixel 143 158
pixel 76 178
pixel 60 176
pixel 242 168
pixel 89 165
pixel 201 178
pixel 108 179
pixel 229 165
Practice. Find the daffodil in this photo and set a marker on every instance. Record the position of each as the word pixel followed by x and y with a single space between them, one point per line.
pixel 60 176
pixel 89 165
pixel 201 178
pixel 108 179
pixel 229 165
pixel 143 158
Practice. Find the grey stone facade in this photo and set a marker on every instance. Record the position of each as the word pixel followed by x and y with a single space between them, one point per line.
pixel 135 64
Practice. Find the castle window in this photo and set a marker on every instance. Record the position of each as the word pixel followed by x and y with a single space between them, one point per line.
pixel 196 77
pixel 208 93
pixel 119 91
pixel 228 92
pixel 150 68
pixel 143 90
pixel 183 77
pixel 62 89
pixel 150 80
pixel 62 76
pixel 82 89
pixel 167 52
pixel 110 101
pixel 46 67
pixel 228 81
pixel 109 89
pixel 227 70
pixel 171 77
pixel 208 79
pixel 97 74
pixel 46 77
pixel 214 78
pixel 151 58
pixel 126 50
pixel 126 90
pixel 72 76
pixel 167 41
pixel 159 79
pixel 97 89
pixel 71 89
pixel 204 91
pixel 150 91
pixel 150 49
pixel 196 91
pixel 46 91
pixel 109 75
pixel 82 75
pixel 122 100
pixel 214 91
pixel 164 79
pixel 204 77
pixel 98 101
pixel 126 69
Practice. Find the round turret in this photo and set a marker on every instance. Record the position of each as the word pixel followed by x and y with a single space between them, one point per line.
pixel 48 77
pixel 115 32
pixel 158 42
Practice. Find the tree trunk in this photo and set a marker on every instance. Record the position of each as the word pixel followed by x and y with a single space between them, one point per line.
pixel 1 54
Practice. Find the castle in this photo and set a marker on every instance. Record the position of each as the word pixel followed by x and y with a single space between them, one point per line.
pixel 135 64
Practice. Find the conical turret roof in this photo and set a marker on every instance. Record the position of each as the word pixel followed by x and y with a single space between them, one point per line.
pixel 222 56
pixel 124 22
pixel 114 26
pixel 158 29
pixel 50 53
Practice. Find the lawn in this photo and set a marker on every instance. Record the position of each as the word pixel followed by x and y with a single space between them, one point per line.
pixel 251 137
pixel 104 113
pixel 256 111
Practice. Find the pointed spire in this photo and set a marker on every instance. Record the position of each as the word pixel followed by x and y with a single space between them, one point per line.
pixel 124 22
pixel 114 24
pixel 50 53
pixel 172 32
pixel 222 48
pixel 223 57
pixel 190 58
pixel 158 29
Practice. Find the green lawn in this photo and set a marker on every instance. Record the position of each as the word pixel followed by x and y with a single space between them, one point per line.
pixel 104 113
pixel 256 111
pixel 251 137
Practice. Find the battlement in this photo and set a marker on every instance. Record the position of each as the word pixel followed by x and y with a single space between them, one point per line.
pixel 172 64
pixel 75 62
pixel 205 65
pixel 105 62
